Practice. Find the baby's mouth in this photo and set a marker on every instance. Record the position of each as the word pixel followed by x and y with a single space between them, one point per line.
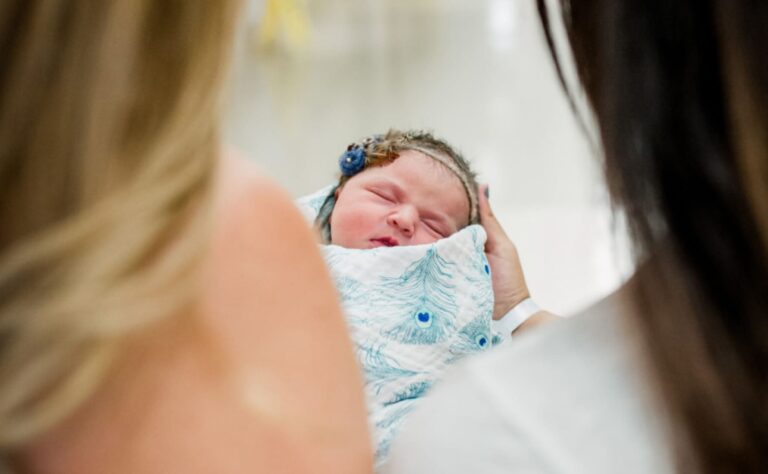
pixel 386 241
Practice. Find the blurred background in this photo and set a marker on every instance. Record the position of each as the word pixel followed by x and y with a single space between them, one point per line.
pixel 312 76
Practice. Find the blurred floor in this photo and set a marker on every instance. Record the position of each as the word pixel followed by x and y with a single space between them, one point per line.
pixel 478 74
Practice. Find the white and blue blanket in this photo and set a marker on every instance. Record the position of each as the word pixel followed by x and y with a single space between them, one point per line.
pixel 411 311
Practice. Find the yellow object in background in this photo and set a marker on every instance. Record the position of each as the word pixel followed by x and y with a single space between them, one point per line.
pixel 287 19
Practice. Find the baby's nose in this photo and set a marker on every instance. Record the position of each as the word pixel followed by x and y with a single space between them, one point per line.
pixel 404 219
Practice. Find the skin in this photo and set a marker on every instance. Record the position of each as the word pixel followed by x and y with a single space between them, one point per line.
pixel 413 200
pixel 222 387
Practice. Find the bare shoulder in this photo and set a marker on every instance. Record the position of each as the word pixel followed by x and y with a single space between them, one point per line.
pixel 263 253
pixel 249 203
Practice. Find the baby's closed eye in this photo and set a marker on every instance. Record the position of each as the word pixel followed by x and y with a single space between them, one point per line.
pixel 436 227
pixel 383 194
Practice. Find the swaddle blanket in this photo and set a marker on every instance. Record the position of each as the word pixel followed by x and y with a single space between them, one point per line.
pixel 411 311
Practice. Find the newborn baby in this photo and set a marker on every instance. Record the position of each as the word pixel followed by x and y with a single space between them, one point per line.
pixel 415 287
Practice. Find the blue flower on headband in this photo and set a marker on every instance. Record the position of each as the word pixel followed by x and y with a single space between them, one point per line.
pixel 352 161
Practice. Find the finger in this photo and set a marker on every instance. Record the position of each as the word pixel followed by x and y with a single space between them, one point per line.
pixel 488 219
pixel 482 200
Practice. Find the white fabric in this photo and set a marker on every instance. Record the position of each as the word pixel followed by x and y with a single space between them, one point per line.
pixel 310 204
pixel 412 311
pixel 570 397
pixel 516 316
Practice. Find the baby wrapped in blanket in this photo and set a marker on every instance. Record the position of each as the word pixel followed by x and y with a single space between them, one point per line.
pixel 408 260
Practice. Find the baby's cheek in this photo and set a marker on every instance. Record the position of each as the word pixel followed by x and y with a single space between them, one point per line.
pixel 348 228
pixel 423 237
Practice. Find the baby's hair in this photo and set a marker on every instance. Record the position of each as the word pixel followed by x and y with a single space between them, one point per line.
pixel 381 150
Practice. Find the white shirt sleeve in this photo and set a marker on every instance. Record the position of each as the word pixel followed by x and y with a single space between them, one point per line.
pixel 462 431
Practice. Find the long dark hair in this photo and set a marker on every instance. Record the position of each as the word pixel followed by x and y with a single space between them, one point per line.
pixel 679 90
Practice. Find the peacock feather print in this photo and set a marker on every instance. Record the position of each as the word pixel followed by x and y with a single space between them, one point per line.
pixel 421 301
pixel 478 332
pixel 473 337
pixel 411 311
pixel 351 292
pixel 387 427
pixel 413 391
pixel 380 369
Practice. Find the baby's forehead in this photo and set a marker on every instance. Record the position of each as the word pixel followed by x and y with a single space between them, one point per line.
pixel 441 189
pixel 418 164
pixel 421 172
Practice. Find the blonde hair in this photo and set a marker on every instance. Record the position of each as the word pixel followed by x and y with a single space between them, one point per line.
pixel 108 143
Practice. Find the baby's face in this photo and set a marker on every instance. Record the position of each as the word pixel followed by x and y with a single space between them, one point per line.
pixel 413 200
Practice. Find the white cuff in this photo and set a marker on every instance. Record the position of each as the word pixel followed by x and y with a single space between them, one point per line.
pixel 517 316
